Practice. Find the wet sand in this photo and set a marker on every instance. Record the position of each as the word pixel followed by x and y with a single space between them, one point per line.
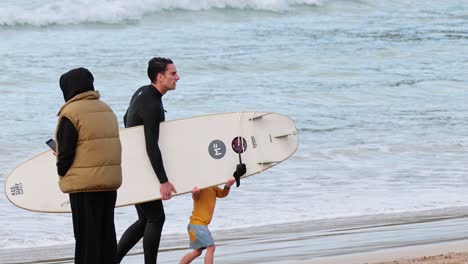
pixel 431 237
pixel 348 241
pixel 445 253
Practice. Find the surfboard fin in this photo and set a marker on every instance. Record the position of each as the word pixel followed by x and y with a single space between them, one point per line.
pixel 285 135
pixel 267 162
pixel 259 116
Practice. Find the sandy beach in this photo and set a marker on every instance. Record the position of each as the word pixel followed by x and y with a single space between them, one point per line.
pixel 445 253
pixel 450 258
pixel 455 253
pixel 385 244
pixel 435 237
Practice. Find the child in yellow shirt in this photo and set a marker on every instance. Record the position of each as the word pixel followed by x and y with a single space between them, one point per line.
pixel 204 202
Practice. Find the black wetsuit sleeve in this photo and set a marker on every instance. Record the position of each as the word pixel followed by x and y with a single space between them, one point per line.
pixel 131 101
pixel 151 127
pixel 67 138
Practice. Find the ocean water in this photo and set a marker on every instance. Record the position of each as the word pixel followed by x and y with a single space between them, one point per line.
pixel 378 91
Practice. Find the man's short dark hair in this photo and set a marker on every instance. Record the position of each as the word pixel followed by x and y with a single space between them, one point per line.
pixel 157 65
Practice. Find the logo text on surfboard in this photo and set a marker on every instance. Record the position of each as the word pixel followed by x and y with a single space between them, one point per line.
pixel 16 189
pixel 217 149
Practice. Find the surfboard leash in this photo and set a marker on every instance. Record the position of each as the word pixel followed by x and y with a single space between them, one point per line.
pixel 241 169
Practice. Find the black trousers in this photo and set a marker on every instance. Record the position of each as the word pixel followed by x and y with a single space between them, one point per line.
pixel 93 226
pixel 149 225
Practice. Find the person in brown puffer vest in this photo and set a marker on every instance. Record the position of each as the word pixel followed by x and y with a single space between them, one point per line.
pixel 89 166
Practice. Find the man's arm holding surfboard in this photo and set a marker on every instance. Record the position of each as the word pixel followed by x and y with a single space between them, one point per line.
pixel 151 128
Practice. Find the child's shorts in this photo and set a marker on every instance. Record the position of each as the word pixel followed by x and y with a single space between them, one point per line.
pixel 200 236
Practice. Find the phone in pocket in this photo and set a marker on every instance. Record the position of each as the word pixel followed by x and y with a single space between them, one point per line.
pixel 51 144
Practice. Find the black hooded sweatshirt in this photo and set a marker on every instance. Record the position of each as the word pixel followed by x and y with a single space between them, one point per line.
pixel 72 83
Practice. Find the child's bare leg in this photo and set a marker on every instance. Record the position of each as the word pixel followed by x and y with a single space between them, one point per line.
pixel 189 257
pixel 209 256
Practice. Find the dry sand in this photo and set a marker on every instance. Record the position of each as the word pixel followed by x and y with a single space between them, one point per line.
pixel 450 258
pixel 453 252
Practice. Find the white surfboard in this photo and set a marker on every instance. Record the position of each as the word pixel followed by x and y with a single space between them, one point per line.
pixel 197 151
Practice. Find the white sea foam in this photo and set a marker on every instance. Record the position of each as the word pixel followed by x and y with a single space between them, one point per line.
pixel 55 12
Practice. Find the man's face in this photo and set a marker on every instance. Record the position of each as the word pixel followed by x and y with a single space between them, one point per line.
pixel 168 79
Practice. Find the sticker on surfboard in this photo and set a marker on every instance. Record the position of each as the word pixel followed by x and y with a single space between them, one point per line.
pixel 237 146
pixel 217 149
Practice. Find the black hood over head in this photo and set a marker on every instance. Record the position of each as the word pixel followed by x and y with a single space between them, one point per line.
pixel 76 81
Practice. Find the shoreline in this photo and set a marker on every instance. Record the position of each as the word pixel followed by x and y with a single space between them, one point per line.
pixel 355 240
pixel 427 253
pixel 453 252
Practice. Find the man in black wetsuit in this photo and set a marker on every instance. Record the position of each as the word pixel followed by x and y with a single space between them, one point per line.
pixel 146 108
